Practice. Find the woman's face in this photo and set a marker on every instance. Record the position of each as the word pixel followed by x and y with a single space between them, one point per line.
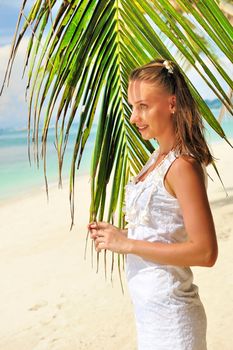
pixel 152 109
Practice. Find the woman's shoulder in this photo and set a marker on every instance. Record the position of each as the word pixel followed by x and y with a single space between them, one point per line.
pixel 185 175
pixel 186 160
pixel 185 166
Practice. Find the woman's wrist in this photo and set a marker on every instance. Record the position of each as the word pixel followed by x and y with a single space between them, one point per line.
pixel 129 248
pixel 124 232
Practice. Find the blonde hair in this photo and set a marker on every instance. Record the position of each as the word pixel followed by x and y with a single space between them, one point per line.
pixel 188 124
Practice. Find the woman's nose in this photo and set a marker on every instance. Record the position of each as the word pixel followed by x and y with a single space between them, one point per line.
pixel 133 118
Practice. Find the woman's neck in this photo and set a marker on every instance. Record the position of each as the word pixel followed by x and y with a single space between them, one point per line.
pixel 166 143
pixel 165 149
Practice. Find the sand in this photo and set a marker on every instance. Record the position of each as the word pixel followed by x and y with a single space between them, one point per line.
pixel 51 298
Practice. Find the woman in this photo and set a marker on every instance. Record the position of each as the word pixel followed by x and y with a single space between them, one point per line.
pixel 170 226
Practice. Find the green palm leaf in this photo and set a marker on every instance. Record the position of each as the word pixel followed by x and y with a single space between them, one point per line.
pixel 79 63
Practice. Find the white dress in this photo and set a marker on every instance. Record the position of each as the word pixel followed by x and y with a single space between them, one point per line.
pixel 168 311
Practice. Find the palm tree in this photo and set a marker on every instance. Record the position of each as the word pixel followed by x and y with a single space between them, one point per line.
pixel 78 59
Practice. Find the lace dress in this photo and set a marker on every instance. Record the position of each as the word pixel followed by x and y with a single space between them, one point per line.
pixel 168 311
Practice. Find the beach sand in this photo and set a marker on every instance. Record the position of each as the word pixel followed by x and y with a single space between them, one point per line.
pixel 51 298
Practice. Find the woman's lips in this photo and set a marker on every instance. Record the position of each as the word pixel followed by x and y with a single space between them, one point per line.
pixel 142 128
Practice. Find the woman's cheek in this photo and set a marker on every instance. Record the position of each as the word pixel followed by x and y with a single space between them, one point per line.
pixel 144 114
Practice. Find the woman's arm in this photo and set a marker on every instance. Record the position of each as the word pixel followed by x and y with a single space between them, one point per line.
pixel 186 180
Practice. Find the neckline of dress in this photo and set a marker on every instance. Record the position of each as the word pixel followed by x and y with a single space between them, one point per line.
pixel 153 156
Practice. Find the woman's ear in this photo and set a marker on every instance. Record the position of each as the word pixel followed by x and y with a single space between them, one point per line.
pixel 172 104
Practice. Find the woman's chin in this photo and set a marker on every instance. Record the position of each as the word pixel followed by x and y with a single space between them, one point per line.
pixel 145 134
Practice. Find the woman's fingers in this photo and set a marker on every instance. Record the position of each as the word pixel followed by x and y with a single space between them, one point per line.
pixel 98 224
pixel 99 239
pixel 99 244
pixel 98 233
pixel 95 230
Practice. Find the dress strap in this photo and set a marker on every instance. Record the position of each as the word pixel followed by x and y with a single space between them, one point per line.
pixel 168 162
pixel 163 169
pixel 149 162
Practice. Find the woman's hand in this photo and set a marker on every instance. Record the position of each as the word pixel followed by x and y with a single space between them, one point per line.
pixel 107 236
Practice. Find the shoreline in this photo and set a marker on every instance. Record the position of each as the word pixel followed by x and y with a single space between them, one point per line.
pixel 38 188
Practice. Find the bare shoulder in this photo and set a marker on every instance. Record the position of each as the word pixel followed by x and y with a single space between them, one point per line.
pixel 185 174
pixel 186 165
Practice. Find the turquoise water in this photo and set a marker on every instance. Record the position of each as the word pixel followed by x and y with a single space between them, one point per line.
pixel 18 177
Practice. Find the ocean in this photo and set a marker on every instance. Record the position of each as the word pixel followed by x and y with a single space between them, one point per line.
pixel 17 177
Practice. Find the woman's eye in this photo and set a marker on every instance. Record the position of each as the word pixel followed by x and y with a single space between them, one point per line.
pixel 142 106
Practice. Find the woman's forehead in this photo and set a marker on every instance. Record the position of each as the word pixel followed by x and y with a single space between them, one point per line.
pixel 142 90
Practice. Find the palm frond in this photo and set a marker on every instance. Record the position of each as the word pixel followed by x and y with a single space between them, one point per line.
pixel 78 62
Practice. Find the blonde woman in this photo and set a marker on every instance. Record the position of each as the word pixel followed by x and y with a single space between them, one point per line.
pixel 170 225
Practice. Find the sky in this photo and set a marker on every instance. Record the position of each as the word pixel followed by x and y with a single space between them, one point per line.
pixel 13 107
